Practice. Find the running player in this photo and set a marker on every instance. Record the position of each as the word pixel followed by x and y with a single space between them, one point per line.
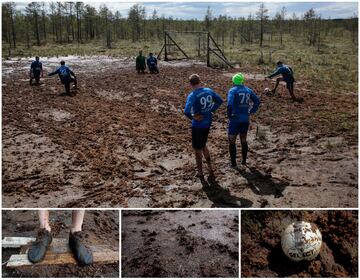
pixel 36 70
pixel 200 105
pixel 81 252
pixel 238 111
pixel 66 76
pixel 287 76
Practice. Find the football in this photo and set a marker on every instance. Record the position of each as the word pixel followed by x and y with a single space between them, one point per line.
pixel 301 241
pixel 267 91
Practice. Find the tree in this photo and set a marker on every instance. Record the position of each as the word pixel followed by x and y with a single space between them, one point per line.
pixel 8 12
pixel 279 22
pixel 261 14
pixel 32 11
pixel 136 17
pixel 208 18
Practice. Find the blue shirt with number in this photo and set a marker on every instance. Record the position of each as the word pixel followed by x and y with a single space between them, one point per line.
pixel 64 73
pixel 202 101
pixel 238 99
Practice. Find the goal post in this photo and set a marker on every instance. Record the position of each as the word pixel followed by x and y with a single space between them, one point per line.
pixel 197 45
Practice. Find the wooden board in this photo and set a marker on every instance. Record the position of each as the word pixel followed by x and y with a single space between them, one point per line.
pixel 16 242
pixel 59 253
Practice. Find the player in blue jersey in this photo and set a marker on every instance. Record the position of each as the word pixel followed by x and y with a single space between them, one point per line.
pixel 287 76
pixel 66 76
pixel 36 70
pixel 239 111
pixel 200 105
pixel 152 64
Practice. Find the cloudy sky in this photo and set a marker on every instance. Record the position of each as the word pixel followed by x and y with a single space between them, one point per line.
pixel 196 10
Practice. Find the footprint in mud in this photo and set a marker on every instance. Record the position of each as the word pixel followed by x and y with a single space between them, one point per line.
pixel 185 239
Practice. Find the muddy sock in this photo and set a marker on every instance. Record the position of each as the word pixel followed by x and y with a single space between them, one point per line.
pixel 244 151
pixel 232 150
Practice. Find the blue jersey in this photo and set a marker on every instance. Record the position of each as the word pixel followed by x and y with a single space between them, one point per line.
pixel 202 101
pixel 151 61
pixel 286 72
pixel 64 73
pixel 36 66
pixel 239 103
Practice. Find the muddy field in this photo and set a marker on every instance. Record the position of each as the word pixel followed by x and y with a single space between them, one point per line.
pixel 180 244
pixel 123 141
pixel 101 227
pixel 262 256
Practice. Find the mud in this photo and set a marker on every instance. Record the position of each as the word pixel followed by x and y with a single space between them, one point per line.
pixel 180 243
pixel 122 141
pixel 100 228
pixel 262 256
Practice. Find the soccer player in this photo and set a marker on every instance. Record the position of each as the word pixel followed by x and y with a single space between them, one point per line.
pixel 36 70
pixel 140 63
pixel 66 76
pixel 81 252
pixel 239 111
pixel 287 76
pixel 200 105
pixel 152 64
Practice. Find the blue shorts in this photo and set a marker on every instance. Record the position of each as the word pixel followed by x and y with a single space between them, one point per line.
pixel 238 127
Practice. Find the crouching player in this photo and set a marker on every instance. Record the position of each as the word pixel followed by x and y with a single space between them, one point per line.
pixel 238 111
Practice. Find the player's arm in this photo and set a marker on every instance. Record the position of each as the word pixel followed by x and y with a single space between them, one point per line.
pixel 41 70
pixel 230 101
pixel 72 73
pixel 54 73
pixel 277 72
pixel 31 69
pixel 256 102
pixel 189 104
pixel 217 101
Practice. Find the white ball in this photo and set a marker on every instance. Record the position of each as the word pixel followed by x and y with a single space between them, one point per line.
pixel 266 90
pixel 301 241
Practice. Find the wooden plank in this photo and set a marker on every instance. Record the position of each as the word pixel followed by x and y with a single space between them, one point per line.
pixel 60 253
pixel 16 242
pixel 104 257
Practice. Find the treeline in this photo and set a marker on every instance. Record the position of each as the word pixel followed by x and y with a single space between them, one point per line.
pixel 68 22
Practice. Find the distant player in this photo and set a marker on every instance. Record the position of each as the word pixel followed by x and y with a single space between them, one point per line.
pixel 239 111
pixel 200 105
pixel 287 76
pixel 66 76
pixel 152 64
pixel 140 63
pixel 36 70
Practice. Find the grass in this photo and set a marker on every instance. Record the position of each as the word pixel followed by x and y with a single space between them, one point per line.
pixel 334 67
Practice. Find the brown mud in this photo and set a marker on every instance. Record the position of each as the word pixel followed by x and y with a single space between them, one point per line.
pixel 262 256
pixel 180 243
pixel 100 228
pixel 123 141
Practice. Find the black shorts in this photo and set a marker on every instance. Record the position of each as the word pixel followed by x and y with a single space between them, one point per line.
pixel 36 74
pixel 290 84
pixel 199 137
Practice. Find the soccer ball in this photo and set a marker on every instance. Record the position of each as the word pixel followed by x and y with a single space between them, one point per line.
pixel 267 91
pixel 301 241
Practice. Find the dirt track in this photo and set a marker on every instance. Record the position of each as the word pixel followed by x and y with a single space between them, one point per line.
pixel 262 256
pixel 101 227
pixel 122 141
pixel 180 244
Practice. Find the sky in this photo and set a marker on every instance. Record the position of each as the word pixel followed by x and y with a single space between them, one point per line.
pixel 197 10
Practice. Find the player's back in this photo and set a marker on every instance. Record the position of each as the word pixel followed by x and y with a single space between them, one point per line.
pixel 239 99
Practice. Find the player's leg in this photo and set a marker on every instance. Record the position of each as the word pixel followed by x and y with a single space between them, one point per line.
pixel 278 80
pixel 207 157
pixel 232 135
pixel 37 78
pixel 290 87
pixel 81 252
pixel 197 146
pixel 243 129
pixel 67 87
pixel 37 250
